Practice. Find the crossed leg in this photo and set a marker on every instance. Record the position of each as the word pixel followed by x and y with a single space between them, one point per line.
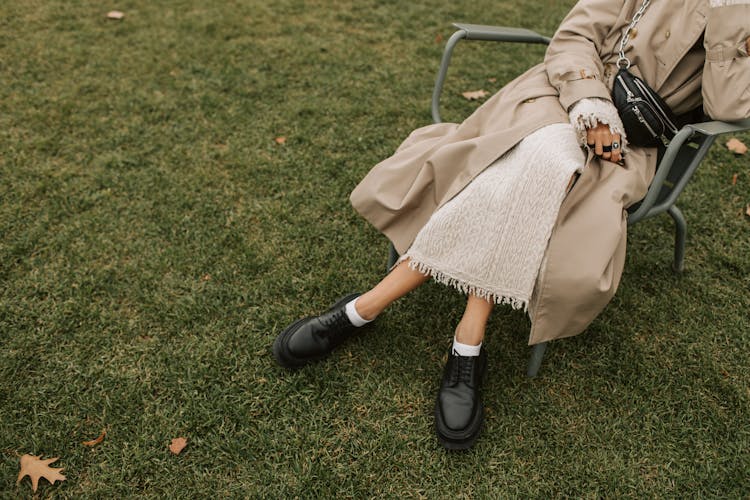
pixel 458 408
pixel 403 279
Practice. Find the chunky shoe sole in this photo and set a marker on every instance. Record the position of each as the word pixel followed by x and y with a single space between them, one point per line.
pixel 462 439
pixel 458 440
pixel 280 349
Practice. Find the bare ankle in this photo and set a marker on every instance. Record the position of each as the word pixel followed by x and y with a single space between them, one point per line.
pixel 365 308
pixel 469 334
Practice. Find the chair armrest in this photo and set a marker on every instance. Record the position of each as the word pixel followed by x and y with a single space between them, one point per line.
pixel 717 127
pixel 500 33
pixel 702 134
pixel 482 33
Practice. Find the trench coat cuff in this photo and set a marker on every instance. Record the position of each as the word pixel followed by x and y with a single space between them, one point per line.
pixel 573 91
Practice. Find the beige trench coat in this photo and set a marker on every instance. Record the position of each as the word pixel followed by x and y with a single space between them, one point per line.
pixel 585 255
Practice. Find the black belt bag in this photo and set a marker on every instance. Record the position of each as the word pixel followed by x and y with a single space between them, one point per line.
pixel 647 119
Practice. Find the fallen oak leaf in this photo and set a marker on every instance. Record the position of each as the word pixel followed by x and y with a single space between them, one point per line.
pixel 734 179
pixel 96 441
pixel 438 38
pixel 115 14
pixel 280 140
pixel 736 146
pixel 474 95
pixel 178 444
pixel 35 468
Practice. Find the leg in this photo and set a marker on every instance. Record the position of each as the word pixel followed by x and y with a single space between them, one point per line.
pixel 680 230
pixel 458 410
pixel 313 338
pixel 400 281
pixel 470 329
pixel 535 362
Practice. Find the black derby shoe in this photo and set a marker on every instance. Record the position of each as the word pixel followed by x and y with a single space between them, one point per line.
pixel 458 409
pixel 314 337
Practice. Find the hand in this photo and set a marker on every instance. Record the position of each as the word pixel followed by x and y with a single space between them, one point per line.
pixel 604 143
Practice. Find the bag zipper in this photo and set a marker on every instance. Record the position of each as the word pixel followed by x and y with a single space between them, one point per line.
pixel 643 121
pixel 631 97
pixel 654 102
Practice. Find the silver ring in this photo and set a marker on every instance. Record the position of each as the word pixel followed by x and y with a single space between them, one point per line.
pixel 615 145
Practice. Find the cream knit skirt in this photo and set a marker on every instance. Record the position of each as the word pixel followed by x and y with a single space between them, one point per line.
pixel 489 240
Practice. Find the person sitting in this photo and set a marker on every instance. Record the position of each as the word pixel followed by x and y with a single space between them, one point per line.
pixel 524 202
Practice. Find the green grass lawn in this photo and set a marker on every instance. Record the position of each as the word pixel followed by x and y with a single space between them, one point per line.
pixel 154 239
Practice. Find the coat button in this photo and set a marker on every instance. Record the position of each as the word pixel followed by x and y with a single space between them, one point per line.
pixel 668 34
pixel 530 100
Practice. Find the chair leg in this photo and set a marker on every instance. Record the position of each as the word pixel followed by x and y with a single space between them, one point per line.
pixel 680 233
pixel 535 362
pixel 392 257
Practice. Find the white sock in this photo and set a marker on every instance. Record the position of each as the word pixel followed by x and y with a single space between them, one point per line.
pixel 353 315
pixel 466 349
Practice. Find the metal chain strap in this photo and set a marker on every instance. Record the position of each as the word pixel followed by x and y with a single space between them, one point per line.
pixel 626 37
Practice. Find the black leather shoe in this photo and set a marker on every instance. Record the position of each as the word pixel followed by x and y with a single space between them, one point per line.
pixel 314 337
pixel 458 411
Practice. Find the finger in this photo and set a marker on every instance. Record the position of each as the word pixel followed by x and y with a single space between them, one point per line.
pixel 590 138
pixel 598 149
pixel 606 136
pixel 616 148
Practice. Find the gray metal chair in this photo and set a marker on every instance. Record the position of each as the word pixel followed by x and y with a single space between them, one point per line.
pixel 677 165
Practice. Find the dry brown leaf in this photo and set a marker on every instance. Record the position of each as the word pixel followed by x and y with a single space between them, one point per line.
pixel 115 14
pixel 178 444
pixel 734 179
pixel 747 210
pixel 736 146
pixel 35 468
pixel 492 80
pixel 96 441
pixel 438 38
pixel 280 140
pixel 475 94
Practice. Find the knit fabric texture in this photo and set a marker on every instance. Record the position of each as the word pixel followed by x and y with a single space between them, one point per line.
pixel 726 3
pixel 489 239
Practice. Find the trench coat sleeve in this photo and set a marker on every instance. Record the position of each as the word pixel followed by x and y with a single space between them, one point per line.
pixel 573 62
pixel 726 73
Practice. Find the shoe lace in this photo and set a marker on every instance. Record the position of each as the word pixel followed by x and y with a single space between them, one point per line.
pixel 334 323
pixel 462 369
